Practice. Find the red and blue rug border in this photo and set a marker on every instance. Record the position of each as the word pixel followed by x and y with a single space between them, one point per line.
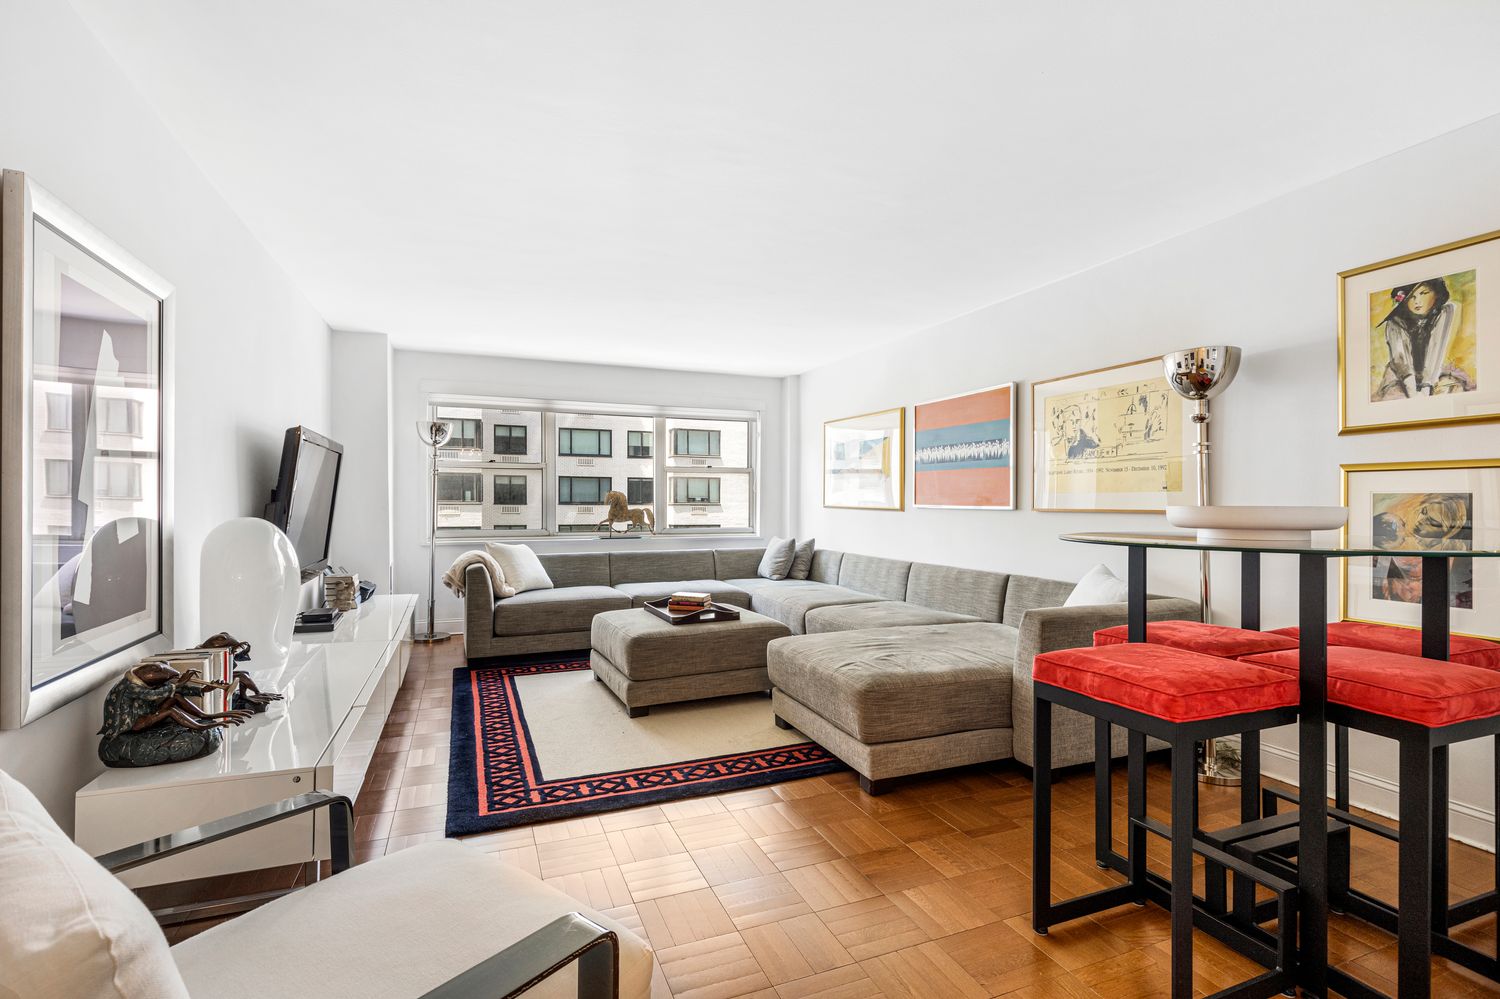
pixel 494 781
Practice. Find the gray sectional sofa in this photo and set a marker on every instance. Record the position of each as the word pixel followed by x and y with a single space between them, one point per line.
pixel 896 667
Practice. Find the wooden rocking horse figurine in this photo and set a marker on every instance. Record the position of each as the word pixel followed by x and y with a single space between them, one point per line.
pixel 620 512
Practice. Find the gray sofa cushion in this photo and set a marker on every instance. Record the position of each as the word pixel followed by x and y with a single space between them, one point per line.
pixel 971 592
pixel 723 592
pixel 736 563
pixel 581 569
pixel 825 566
pixel 888 684
pixel 879 614
pixel 652 567
pixel 1024 593
pixel 802 558
pixel 884 577
pixel 776 563
pixel 789 600
pixel 542 612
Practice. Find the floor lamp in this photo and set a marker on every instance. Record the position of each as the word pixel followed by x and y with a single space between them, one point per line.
pixel 1198 375
pixel 434 434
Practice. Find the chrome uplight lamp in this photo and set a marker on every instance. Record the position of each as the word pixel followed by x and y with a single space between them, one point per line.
pixel 434 434
pixel 1198 375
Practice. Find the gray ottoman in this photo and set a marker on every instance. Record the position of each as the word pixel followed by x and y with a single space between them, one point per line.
pixel 647 661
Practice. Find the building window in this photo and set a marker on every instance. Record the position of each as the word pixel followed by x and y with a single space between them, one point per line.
pixel 465 435
pixel 576 490
pixel 695 489
pixel 119 480
pixel 577 442
pixel 638 444
pixel 510 490
pixel 59 411
pixel 458 487
pixel 120 416
pixel 640 492
pixel 510 439
pixel 59 477
pixel 696 443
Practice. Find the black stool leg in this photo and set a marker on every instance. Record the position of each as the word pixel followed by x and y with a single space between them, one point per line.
pixel 1440 839
pixel 1041 811
pixel 1184 784
pixel 1103 795
pixel 1244 888
pixel 1135 807
pixel 1414 916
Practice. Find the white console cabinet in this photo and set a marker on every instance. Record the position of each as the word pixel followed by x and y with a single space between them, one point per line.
pixel 338 688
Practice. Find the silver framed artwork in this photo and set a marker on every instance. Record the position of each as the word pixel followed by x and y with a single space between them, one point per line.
pixel 85 455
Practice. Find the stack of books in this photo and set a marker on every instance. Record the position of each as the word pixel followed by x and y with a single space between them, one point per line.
pixel 341 592
pixel 684 602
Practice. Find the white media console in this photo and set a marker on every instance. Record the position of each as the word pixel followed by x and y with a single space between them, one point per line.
pixel 338 689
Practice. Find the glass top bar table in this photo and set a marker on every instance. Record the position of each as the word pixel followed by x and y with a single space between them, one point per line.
pixel 1312 572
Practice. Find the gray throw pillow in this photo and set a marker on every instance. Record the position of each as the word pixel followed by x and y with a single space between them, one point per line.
pixel 777 561
pixel 802 560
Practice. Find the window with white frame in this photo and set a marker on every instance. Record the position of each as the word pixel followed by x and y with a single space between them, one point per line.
pixel 59 475
pixel 119 480
pixel 120 416
pixel 550 470
pixel 59 411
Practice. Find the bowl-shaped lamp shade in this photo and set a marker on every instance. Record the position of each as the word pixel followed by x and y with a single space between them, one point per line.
pixel 434 433
pixel 1201 372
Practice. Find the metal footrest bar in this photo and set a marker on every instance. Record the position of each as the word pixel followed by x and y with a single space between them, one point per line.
pixel 1382 914
pixel 1472 908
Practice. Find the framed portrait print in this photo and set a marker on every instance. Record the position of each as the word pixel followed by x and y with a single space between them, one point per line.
pixel 1116 440
pixel 1438 505
pixel 1419 339
pixel 965 450
pixel 863 459
pixel 85 493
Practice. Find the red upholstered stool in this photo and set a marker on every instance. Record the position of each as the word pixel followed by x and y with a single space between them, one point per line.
pixel 1180 697
pixel 1196 636
pixel 1425 705
pixel 1407 641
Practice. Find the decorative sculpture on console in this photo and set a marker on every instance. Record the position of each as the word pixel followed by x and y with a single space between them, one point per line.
pixel 621 512
pixel 247 696
pixel 149 720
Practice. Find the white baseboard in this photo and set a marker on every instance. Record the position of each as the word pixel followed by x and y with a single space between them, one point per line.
pixel 1466 823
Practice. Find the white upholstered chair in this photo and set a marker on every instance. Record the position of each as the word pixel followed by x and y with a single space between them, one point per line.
pixel 439 920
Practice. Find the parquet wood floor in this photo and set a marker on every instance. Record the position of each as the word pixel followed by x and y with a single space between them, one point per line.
pixel 813 889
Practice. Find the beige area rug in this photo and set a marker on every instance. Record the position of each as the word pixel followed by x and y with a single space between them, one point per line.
pixel 538 738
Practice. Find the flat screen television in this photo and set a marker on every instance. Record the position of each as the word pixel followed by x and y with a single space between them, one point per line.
pixel 302 502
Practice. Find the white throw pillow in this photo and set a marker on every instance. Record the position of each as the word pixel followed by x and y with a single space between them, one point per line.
pixel 1098 586
pixel 802 560
pixel 522 569
pixel 67 926
pixel 777 561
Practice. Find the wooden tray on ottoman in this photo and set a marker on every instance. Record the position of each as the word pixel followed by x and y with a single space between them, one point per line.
pixel 713 612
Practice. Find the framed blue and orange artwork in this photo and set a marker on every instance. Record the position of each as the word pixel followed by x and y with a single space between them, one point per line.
pixel 965 450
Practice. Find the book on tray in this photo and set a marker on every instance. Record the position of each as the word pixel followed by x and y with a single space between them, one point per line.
pixel 689 601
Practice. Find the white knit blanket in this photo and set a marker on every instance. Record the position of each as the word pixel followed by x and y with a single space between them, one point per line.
pixel 454 577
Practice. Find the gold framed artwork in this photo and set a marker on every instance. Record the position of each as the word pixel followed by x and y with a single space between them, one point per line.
pixel 864 458
pixel 1438 505
pixel 1419 339
pixel 1111 440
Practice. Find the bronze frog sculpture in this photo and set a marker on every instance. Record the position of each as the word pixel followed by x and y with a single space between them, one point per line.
pixel 247 696
pixel 149 720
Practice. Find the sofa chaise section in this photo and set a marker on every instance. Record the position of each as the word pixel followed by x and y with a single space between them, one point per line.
pixel 896 701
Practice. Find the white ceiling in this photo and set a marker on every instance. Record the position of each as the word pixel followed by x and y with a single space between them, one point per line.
pixel 764 186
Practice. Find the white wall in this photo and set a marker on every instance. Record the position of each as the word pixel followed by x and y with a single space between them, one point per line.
pixel 252 355
pixel 420 375
pixel 361 422
pixel 1264 280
